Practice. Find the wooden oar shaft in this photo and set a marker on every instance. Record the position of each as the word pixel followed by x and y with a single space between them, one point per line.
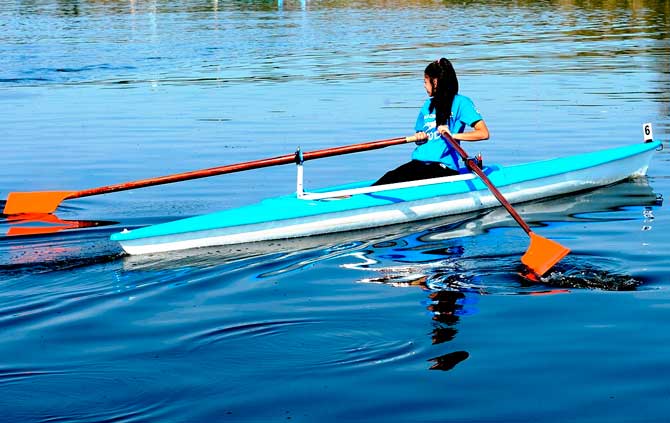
pixel 238 167
pixel 472 165
pixel 495 191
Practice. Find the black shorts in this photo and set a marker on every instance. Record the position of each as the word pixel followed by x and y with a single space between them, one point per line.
pixel 414 171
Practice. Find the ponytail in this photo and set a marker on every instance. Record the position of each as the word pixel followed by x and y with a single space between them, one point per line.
pixel 447 87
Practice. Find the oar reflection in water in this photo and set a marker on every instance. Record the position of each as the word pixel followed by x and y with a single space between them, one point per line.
pixel 44 242
pixel 46 223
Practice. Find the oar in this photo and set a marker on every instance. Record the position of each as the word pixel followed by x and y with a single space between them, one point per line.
pixel 542 253
pixel 48 201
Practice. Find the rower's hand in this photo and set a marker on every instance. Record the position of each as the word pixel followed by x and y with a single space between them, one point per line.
pixel 444 130
pixel 421 138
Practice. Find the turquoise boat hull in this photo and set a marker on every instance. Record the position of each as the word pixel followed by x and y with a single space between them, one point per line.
pixel 359 206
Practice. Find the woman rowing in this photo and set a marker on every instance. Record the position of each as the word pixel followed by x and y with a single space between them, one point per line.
pixel 445 112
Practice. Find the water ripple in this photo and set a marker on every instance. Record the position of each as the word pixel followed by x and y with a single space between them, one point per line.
pixel 9 375
pixel 241 331
pixel 372 353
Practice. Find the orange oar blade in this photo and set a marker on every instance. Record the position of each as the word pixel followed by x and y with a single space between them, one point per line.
pixel 34 202
pixel 543 254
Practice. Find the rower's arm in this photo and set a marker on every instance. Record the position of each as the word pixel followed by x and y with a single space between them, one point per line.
pixel 480 132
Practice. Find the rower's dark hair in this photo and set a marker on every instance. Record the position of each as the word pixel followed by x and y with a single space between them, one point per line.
pixel 447 87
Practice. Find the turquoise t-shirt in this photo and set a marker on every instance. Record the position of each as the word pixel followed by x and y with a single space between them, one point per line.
pixel 437 149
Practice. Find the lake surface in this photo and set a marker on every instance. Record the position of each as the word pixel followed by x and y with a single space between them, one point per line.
pixel 423 322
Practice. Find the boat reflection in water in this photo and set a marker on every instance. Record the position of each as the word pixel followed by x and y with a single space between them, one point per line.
pixel 580 207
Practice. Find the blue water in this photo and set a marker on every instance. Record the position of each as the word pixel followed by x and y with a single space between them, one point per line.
pixel 422 322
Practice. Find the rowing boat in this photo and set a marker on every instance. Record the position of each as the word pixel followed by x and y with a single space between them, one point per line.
pixel 361 206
